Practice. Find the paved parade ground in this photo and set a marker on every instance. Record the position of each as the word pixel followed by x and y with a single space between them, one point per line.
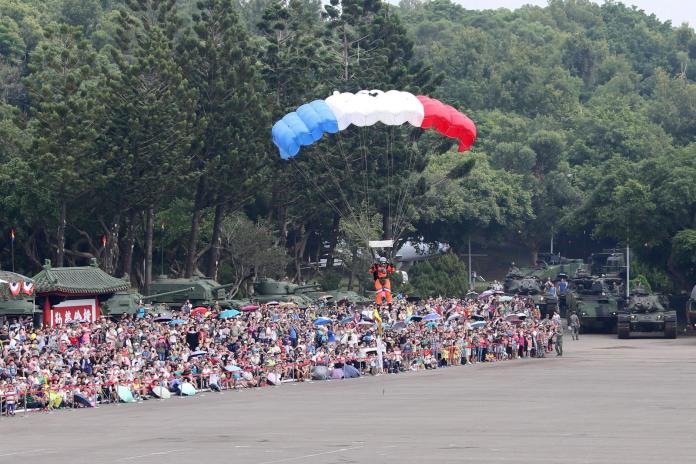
pixel 606 400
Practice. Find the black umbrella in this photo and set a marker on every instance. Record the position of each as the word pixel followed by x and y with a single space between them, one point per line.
pixel 83 400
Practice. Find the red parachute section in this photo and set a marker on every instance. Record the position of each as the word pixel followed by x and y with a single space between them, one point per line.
pixel 448 121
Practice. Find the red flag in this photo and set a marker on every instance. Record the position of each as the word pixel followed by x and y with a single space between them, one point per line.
pixel 103 240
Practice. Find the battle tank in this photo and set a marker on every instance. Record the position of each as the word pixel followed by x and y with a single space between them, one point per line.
pixel 531 287
pixel 130 301
pixel 17 307
pixel 200 291
pixel 596 303
pixel 267 289
pixel 647 313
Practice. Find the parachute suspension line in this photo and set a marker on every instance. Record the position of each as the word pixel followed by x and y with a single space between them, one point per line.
pixel 390 170
pixel 318 189
pixel 400 219
pixel 412 182
pixel 364 231
pixel 365 227
pixel 309 180
pixel 337 183
pixel 366 174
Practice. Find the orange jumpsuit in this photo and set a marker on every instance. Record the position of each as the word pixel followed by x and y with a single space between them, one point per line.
pixel 381 272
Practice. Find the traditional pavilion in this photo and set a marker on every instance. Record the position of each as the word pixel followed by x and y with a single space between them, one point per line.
pixel 74 294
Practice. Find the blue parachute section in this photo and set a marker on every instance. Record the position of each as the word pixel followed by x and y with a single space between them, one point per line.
pixel 303 127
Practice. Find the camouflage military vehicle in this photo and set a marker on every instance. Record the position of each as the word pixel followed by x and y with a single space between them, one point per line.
pixel 200 291
pixel 595 303
pixel 130 301
pixel 691 310
pixel 17 307
pixel 20 305
pixel 647 313
pixel 267 289
pixel 531 287
pixel 551 266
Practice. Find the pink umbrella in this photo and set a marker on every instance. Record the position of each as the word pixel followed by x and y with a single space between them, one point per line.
pixel 248 308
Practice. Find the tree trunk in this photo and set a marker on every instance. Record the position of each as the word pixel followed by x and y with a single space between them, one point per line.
pixel 197 213
pixel 215 244
pixel 333 240
pixel 111 250
pixel 353 268
pixel 386 226
pixel 149 232
pixel 299 252
pixel 127 266
pixel 62 220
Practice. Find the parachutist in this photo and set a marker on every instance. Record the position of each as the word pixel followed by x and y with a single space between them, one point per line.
pixel 380 272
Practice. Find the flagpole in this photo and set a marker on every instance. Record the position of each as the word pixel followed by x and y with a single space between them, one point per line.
pixel 12 248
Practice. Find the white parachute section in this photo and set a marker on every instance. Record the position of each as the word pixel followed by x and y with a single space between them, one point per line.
pixel 368 107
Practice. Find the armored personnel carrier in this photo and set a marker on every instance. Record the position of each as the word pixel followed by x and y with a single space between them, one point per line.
pixel 647 313
pixel 596 303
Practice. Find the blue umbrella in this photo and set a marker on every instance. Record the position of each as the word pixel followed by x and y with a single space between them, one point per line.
pixel 322 321
pixel 162 319
pixel 350 372
pixel 177 322
pixel 432 317
pixel 414 319
pixel 233 368
pixel 229 313
pixel 399 325
pixel 347 320
pixel 478 324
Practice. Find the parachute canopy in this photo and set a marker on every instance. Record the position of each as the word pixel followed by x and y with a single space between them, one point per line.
pixel 310 121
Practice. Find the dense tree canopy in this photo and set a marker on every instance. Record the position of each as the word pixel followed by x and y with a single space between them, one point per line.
pixel 133 128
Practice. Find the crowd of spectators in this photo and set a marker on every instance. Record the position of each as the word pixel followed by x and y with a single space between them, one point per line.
pixel 44 368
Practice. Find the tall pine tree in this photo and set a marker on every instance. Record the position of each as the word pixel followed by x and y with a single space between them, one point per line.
pixel 152 109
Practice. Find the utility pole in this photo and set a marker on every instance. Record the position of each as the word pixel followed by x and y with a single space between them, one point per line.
pixel 628 271
pixel 469 265
pixel 551 239
pixel 472 277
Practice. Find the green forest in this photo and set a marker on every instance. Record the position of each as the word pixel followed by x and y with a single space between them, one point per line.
pixel 137 132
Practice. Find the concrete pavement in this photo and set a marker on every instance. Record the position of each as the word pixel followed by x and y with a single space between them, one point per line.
pixel 605 401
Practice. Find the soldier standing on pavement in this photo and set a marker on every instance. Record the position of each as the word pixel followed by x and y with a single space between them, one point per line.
pixel 559 339
pixel 574 323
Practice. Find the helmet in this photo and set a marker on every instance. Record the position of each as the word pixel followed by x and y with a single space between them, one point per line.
pixel 382 260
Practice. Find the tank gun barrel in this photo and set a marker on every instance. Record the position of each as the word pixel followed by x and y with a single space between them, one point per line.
pixel 222 287
pixel 173 292
pixel 307 287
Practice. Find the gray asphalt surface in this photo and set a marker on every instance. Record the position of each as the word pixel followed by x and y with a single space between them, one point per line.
pixel 605 401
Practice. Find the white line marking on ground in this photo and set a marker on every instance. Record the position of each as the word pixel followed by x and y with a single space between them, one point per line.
pixel 341 450
pixel 20 453
pixel 156 453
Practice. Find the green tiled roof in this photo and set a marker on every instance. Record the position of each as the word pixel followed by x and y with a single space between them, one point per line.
pixel 87 280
